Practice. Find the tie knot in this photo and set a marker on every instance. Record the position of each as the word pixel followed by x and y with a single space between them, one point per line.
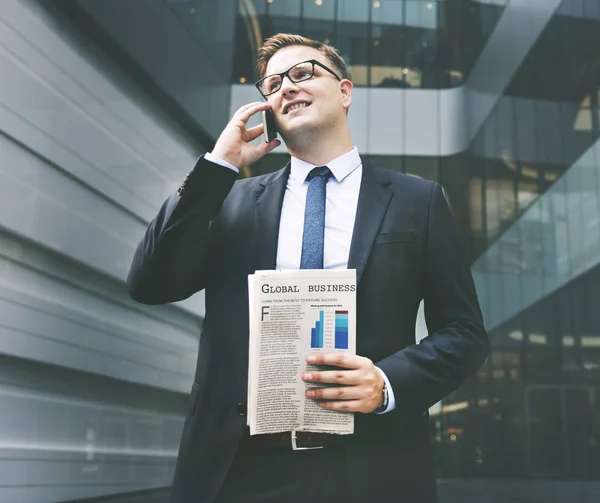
pixel 323 172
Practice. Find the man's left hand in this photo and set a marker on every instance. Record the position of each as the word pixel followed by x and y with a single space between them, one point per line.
pixel 362 384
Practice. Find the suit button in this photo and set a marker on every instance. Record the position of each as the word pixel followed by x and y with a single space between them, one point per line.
pixel 241 409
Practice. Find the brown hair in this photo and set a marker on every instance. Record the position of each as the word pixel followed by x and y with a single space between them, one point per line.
pixel 281 40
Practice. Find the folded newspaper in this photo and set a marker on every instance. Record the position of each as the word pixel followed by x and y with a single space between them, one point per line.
pixel 293 314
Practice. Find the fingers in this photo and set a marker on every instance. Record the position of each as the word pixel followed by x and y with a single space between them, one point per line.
pixel 339 360
pixel 347 398
pixel 233 145
pixel 254 132
pixel 359 383
pixel 265 148
pixel 351 384
pixel 337 393
pixel 272 144
pixel 345 406
pixel 244 113
pixel 245 107
pixel 334 376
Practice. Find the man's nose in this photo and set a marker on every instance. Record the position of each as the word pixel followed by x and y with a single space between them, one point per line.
pixel 287 86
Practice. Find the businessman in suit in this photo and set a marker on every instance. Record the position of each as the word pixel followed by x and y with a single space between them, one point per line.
pixel 327 208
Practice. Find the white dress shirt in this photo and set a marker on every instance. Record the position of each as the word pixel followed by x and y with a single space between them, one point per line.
pixel 340 213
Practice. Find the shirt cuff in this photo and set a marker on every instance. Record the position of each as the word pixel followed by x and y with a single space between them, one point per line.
pixel 209 157
pixel 391 399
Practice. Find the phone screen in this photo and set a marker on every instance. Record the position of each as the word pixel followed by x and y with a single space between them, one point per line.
pixel 270 125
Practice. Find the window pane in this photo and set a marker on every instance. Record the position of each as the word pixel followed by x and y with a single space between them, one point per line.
pixel 421 59
pixel 500 206
pixel 324 10
pixel 388 12
pixel 283 17
pixel 356 11
pixel 387 46
pixel 318 22
pixel 284 8
pixel 421 14
pixel 352 37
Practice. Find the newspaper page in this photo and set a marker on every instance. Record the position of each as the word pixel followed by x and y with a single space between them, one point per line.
pixel 293 314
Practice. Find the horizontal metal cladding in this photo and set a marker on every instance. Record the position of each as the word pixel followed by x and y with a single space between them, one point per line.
pixel 88 158
pixel 93 386
pixel 57 448
pixel 63 314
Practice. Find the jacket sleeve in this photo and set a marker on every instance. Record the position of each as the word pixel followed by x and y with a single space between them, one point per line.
pixel 457 344
pixel 172 260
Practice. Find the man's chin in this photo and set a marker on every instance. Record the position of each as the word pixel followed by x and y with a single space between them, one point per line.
pixel 297 126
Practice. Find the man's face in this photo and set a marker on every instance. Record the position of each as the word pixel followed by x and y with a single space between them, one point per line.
pixel 323 99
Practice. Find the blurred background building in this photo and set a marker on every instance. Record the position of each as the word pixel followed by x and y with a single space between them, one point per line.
pixel 105 105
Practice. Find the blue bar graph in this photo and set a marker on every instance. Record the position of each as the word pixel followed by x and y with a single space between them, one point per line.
pixel 316 334
pixel 341 330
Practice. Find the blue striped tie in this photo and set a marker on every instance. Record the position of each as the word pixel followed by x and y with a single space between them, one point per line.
pixel 313 238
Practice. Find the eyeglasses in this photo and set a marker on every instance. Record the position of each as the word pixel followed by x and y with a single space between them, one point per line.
pixel 299 72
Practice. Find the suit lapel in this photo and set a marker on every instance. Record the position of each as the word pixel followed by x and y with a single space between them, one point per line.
pixel 373 200
pixel 269 199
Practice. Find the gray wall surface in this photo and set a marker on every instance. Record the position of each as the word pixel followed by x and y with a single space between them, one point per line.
pixel 192 64
pixel 93 386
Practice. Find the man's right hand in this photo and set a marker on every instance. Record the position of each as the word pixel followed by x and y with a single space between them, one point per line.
pixel 234 144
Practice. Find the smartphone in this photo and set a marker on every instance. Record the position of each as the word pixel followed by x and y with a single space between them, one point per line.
pixel 268 120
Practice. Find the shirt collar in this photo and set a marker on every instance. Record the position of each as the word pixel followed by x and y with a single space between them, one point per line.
pixel 341 166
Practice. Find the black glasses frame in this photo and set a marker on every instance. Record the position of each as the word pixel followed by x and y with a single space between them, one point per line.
pixel 287 74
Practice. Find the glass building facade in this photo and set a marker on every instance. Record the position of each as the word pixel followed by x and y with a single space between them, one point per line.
pixel 106 105
pixel 407 44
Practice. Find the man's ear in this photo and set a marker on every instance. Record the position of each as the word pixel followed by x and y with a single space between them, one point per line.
pixel 346 90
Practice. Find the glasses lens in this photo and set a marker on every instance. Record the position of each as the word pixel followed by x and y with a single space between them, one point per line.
pixel 300 72
pixel 270 84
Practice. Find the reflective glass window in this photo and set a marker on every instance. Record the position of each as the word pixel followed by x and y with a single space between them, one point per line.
pixel 388 12
pixel 321 10
pixel 500 205
pixel 387 44
pixel 318 20
pixel 282 16
pixel 353 11
pixel 352 38
pixel 421 14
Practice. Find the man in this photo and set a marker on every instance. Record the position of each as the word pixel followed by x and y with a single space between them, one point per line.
pixel 395 230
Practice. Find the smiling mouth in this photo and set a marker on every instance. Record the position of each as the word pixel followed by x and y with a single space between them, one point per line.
pixel 296 107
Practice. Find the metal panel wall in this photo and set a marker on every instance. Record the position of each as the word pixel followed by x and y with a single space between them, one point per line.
pixel 93 386
pixel 193 70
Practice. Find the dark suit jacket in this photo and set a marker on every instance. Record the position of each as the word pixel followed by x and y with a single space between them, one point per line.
pixel 405 247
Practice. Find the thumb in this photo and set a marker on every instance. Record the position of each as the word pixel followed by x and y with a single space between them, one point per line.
pixel 267 147
pixel 274 144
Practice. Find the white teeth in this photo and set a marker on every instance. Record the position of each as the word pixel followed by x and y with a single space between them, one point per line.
pixel 297 105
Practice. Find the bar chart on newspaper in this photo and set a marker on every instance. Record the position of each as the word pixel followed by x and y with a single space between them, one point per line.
pixel 330 330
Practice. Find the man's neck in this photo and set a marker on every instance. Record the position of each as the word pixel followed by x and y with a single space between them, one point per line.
pixel 320 151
